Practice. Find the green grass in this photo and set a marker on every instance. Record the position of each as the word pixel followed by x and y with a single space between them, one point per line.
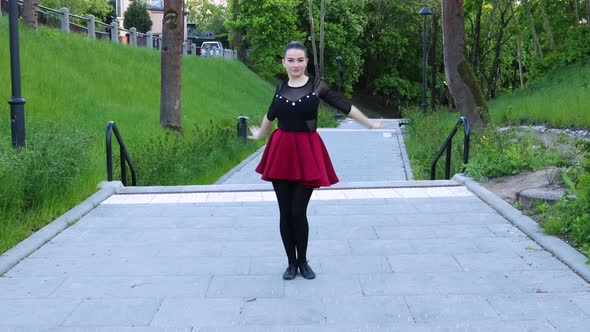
pixel 73 86
pixel 559 99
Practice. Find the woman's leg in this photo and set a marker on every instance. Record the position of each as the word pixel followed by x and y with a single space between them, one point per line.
pixel 283 190
pixel 299 201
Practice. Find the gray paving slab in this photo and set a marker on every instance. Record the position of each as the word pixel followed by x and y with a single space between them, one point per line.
pixel 390 255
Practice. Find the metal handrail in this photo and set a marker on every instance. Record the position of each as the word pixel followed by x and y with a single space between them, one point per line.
pixel 448 145
pixel 124 153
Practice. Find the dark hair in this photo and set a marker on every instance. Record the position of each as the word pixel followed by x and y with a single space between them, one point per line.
pixel 296 45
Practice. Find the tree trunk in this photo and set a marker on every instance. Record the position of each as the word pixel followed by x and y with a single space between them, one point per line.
pixel 577 12
pixel 519 48
pixel 322 32
pixel 547 26
pixel 29 11
pixel 313 45
pixel 171 61
pixel 433 63
pixel 504 19
pixel 461 80
pixel 518 45
pixel 476 36
pixel 536 43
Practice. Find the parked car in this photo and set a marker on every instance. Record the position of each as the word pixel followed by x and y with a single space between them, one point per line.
pixel 214 46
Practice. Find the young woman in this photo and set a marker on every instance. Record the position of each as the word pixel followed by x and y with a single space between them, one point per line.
pixel 295 158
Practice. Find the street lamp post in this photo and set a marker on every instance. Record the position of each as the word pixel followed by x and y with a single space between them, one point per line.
pixel 425 11
pixel 17 103
pixel 339 61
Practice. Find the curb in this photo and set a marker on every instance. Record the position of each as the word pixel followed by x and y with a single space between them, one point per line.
pixel 268 187
pixel 405 158
pixel 239 166
pixel 36 240
pixel 563 251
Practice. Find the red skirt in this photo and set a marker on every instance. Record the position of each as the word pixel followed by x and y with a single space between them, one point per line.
pixel 297 156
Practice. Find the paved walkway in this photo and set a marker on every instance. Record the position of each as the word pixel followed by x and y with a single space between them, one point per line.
pixel 390 255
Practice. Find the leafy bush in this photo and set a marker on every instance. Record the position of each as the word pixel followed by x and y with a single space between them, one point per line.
pixel 36 176
pixel 99 8
pixel 137 16
pixel 574 48
pixel 500 153
pixel 45 167
pixel 171 159
pixel 425 135
pixel 493 153
pixel 571 215
pixel 393 85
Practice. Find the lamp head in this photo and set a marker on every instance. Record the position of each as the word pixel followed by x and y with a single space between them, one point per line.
pixel 425 11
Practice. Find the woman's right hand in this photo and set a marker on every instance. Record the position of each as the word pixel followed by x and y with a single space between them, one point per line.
pixel 255 130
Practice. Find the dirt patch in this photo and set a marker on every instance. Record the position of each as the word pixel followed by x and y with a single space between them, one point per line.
pixel 548 179
pixel 508 187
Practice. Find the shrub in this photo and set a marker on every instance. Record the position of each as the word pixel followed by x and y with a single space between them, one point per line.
pixel 571 215
pixel 137 16
pixel 171 159
pixel 34 178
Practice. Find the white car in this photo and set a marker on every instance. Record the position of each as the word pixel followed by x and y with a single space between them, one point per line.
pixel 215 48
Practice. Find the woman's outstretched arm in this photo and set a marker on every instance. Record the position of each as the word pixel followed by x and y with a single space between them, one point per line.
pixel 260 132
pixel 356 114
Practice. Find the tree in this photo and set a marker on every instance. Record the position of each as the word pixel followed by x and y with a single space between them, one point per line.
pixel 322 35
pixel 264 27
pixel 29 9
pixel 546 25
pixel 536 44
pixel 99 8
pixel 393 51
pixel 208 15
pixel 316 66
pixel 577 11
pixel 171 62
pixel 476 35
pixel 136 16
pixel 461 80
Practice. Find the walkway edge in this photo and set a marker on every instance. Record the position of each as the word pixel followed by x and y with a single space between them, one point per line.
pixel 239 166
pixel 405 158
pixel 563 251
pixel 29 245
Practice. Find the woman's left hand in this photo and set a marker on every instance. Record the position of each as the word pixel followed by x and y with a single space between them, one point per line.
pixel 376 124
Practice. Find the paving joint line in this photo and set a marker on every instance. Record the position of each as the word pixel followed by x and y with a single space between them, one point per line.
pixel 563 251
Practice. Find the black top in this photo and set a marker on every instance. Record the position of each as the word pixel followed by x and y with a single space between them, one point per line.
pixel 297 107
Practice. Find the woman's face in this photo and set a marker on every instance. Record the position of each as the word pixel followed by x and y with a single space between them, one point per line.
pixel 295 62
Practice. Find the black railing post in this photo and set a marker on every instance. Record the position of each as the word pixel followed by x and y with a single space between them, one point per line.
pixel 109 151
pixel 243 128
pixel 448 146
pixel 123 168
pixel 466 139
pixel 448 159
pixel 124 155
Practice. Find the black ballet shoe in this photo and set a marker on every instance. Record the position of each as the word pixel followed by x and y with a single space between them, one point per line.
pixel 306 271
pixel 290 272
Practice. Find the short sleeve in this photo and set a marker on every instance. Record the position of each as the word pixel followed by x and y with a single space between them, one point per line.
pixel 271 115
pixel 332 97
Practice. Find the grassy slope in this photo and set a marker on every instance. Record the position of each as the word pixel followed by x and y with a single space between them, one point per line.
pixel 560 99
pixel 79 83
pixel 82 83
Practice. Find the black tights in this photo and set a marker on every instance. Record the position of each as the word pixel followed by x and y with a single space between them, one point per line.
pixel 293 198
